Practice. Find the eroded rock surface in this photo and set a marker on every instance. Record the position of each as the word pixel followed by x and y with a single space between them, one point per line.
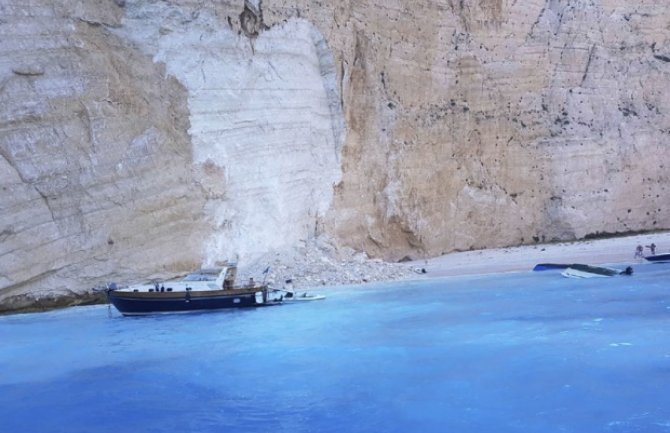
pixel 95 160
pixel 144 138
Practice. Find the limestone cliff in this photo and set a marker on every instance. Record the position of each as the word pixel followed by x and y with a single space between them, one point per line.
pixel 489 123
pixel 96 163
pixel 145 137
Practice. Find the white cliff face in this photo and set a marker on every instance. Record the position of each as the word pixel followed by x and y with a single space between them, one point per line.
pixel 265 118
pixel 95 161
pixel 143 138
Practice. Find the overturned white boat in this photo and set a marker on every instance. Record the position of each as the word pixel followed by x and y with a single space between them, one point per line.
pixel 577 270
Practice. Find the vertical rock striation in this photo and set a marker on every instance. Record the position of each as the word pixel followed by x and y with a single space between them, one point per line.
pixel 480 124
pixel 95 161
pixel 146 136
pixel 266 123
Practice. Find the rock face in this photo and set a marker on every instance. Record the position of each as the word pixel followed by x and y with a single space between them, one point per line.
pixel 481 124
pixel 143 138
pixel 264 113
pixel 95 160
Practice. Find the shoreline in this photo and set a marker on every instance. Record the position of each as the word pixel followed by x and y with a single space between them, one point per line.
pixel 608 251
pixel 323 271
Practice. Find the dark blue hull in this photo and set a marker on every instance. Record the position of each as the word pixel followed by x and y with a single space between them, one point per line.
pixel 141 303
pixel 659 258
pixel 549 266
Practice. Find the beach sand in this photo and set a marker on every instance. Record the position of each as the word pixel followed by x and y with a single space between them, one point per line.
pixel 610 251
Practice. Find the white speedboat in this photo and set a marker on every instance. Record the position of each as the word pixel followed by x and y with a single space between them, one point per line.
pixel 301 297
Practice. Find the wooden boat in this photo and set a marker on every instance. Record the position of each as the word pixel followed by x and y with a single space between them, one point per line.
pixel 201 291
pixel 577 270
pixel 659 258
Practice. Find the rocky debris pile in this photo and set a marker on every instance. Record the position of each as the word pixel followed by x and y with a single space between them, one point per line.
pixel 318 262
pixel 315 262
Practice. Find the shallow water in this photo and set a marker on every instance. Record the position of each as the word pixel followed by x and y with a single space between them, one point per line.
pixel 522 352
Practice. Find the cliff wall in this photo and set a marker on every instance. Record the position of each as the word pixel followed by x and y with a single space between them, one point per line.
pixel 95 159
pixel 491 123
pixel 144 138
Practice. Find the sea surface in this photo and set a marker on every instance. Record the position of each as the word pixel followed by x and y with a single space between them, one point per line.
pixel 517 352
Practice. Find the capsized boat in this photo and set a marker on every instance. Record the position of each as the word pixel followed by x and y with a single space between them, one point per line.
pixel 577 270
pixel 659 258
pixel 200 291
pixel 550 266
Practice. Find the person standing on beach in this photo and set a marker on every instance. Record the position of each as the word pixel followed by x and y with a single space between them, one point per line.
pixel 652 248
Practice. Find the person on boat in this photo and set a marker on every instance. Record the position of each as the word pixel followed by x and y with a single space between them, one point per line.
pixel 251 283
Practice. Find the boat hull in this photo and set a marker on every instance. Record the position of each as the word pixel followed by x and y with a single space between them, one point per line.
pixel 659 258
pixel 143 303
pixel 550 266
pixel 577 270
pixel 304 297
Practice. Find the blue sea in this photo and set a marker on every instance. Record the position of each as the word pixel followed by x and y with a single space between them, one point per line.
pixel 517 352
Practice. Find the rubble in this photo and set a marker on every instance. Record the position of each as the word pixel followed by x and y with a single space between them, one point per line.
pixel 319 262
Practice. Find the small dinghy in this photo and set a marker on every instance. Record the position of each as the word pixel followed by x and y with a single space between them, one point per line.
pixel 290 295
pixel 302 297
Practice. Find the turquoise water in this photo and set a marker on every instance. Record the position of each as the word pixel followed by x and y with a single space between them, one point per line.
pixel 523 352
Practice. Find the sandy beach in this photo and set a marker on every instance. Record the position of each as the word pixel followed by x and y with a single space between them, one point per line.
pixel 318 263
pixel 612 251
